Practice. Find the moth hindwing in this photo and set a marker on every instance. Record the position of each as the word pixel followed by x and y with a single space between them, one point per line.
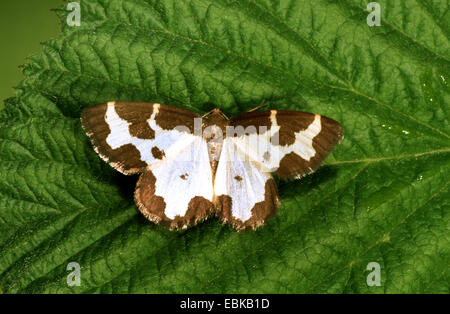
pixel 192 166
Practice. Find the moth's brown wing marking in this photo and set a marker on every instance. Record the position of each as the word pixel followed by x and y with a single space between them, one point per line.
pixel 291 143
pixel 245 195
pixel 178 192
pixel 132 135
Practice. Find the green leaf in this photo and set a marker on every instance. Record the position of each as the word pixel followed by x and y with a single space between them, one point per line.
pixel 382 196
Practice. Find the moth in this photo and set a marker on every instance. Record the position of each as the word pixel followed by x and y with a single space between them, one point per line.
pixel 192 166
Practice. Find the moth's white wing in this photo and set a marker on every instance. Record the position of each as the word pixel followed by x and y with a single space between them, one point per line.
pixel 184 177
pixel 245 195
pixel 130 135
pixel 178 191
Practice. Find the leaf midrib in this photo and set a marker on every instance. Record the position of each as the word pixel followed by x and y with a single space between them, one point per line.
pixel 372 160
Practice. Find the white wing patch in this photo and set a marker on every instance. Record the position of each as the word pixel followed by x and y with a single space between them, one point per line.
pixel 240 179
pixel 168 141
pixel 264 149
pixel 182 176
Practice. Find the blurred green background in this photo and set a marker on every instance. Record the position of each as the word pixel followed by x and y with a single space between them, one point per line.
pixel 23 25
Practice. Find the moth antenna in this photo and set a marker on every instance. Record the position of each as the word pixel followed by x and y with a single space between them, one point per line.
pixel 215 110
pixel 258 107
pixel 223 114
pixel 208 113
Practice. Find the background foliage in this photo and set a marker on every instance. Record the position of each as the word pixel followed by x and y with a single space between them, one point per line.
pixel 23 24
pixel 381 196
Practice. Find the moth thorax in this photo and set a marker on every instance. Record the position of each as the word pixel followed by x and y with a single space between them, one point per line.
pixel 214 138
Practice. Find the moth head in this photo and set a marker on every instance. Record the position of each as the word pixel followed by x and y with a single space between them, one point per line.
pixel 215 114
